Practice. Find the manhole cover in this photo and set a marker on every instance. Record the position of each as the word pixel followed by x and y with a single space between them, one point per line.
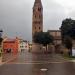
pixel 43 69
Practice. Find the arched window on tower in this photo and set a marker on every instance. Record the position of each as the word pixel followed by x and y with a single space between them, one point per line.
pixel 39 9
pixel 39 28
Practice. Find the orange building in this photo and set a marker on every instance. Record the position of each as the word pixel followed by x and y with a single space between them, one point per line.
pixel 10 45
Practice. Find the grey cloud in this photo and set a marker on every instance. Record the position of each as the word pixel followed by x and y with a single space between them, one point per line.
pixel 16 16
pixel 53 15
pixel 72 15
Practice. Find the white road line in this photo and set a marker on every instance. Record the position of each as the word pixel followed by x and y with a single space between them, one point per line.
pixel 44 69
pixel 36 62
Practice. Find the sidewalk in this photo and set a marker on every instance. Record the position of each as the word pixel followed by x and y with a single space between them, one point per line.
pixel 7 57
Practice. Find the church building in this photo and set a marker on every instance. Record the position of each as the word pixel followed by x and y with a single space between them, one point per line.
pixel 37 26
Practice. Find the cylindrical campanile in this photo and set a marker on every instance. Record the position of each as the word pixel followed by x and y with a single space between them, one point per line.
pixel 37 18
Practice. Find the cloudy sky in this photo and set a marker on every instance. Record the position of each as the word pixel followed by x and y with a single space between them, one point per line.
pixel 16 16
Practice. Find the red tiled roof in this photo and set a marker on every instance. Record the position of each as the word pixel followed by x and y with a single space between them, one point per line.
pixel 9 41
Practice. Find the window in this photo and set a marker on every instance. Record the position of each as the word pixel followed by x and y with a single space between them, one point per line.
pixel 39 9
pixel 21 46
pixel 39 22
pixel 39 28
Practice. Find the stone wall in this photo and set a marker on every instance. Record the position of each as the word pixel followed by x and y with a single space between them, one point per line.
pixel 37 48
pixel 51 49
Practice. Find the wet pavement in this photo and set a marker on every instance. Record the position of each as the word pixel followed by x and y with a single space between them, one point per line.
pixel 35 69
pixel 8 56
pixel 26 57
pixel 38 64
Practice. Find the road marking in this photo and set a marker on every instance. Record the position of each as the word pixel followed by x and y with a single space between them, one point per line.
pixel 46 62
pixel 44 69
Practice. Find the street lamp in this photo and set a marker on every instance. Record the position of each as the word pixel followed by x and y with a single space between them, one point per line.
pixel 1 48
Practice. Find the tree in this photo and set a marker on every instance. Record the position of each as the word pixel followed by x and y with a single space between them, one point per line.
pixel 66 27
pixel 43 38
pixel 68 32
pixel 68 44
pixel 72 33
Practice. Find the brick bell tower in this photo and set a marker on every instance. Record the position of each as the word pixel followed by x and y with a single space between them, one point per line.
pixel 37 18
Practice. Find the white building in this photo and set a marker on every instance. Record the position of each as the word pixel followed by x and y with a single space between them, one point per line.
pixel 23 45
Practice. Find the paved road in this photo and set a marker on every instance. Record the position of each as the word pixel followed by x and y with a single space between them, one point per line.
pixel 34 69
pixel 7 56
pixel 38 64
pixel 26 57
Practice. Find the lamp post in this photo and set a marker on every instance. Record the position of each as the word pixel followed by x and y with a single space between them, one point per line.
pixel 1 47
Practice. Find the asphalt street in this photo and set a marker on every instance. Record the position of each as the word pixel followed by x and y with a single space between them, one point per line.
pixel 38 64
